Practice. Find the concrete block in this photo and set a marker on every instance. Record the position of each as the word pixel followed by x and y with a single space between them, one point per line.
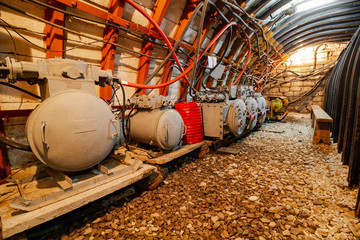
pixel 133 15
pixel 168 26
pixel 295 89
pixel 175 10
pixel 273 90
pixel 284 89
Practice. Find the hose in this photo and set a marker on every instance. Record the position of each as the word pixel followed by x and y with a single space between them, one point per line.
pixel 175 47
pixel 187 70
pixel 71 31
pixel 247 57
pixel 198 45
pixel 162 34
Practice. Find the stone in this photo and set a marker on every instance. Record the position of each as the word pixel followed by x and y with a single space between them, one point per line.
pixel 87 231
pixel 295 231
pixel 272 224
pixel 253 198
pixel 286 233
pixel 202 184
pixel 322 232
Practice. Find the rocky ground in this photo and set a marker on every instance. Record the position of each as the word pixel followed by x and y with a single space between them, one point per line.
pixel 279 186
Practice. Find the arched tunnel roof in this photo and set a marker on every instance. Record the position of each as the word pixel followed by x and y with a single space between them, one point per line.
pixel 294 26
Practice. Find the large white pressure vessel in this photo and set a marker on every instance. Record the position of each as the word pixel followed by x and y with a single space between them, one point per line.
pixel 162 128
pixel 262 108
pixel 72 130
pixel 236 117
pixel 251 106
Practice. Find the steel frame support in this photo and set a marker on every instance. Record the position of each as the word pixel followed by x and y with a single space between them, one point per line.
pixel 147 47
pixel 108 51
pixel 54 37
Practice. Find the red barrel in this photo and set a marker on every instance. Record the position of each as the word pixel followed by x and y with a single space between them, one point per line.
pixel 191 114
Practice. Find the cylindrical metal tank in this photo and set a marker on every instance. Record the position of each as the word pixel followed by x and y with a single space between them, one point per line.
pixel 251 106
pixel 236 117
pixel 72 130
pixel 162 128
pixel 191 114
pixel 262 108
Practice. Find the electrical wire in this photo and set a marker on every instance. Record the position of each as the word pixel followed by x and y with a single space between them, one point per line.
pixel 126 30
pixel 125 83
pixel 11 143
pixel 21 89
pixel 247 57
pixel 162 34
pixel 175 47
pixel 12 39
pixel 14 173
pixel 70 31
pixel 197 49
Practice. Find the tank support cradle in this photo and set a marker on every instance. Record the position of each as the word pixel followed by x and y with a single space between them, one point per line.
pixel 46 198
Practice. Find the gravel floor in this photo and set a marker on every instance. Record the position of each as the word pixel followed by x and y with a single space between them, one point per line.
pixel 279 186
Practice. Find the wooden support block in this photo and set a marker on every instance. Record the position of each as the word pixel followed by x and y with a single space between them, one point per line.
pixel 321 122
pixel 104 169
pixel 175 154
pixel 15 221
pixel 63 180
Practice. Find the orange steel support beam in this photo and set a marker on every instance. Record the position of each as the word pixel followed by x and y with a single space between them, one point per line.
pixel 110 16
pixel 108 51
pixel 147 47
pixel 54 37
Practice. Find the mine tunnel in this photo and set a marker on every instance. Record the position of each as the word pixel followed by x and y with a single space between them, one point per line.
pixel 179 119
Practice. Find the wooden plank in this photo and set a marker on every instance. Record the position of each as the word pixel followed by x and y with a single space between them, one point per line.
pixel 228 150
pixel 319 114
pixel 83 183
pixel 175 154
pixel 14 221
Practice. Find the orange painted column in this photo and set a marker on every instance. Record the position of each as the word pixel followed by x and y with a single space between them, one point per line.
pixel 54 37
pixel 108 51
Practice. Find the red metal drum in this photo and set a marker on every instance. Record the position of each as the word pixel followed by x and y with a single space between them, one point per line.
pixel 191 114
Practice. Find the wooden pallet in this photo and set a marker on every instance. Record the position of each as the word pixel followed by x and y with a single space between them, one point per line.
pixel 41 200
pixel 176 154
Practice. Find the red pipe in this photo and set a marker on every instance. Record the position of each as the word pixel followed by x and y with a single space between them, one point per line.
pixel 247 57
pixel 186 70
pixel 162 34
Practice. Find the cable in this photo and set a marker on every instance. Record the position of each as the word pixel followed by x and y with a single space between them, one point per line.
pixel 13 174
pixel 71 31
pixel 175 47
pixel 197 49
pixel 126 30
pixel 162 34
pixel 219 62
pixel 247 57
pixel 14 144
pixel 21 89
pixel 12 39
pixel 186 70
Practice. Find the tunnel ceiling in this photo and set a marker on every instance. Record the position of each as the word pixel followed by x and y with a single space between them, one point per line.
pixel 298 23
